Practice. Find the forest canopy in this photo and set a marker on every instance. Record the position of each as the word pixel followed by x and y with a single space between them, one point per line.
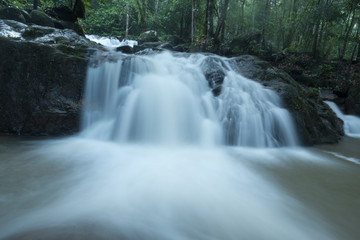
pixel 326 29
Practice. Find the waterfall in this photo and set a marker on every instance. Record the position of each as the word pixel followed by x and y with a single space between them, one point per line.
pixel 351 122
pixel 111 42
pixel 150 162
pixel 164 98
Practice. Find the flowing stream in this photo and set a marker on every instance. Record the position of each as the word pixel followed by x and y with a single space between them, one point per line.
pixel 351 122
pixel 160 157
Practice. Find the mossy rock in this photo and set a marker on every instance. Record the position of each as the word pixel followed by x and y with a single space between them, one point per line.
pixel 35 32
pixel 12 14
pixel 63 13
pixel 74 26
pixel 148 36
pixel 315 122
pixel 40 18
pixel 76 51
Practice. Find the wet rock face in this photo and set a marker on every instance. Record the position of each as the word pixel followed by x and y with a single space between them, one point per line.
pixel 316 123
pixel 42 74
pixel 63 13
pixel 13 14
pixel 41 89
pixel 212 69
pixel 148 36
pixel 40 18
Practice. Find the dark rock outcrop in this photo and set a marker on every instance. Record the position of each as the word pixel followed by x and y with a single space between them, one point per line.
pixel 42 73
pixel 13 14
pixel 40 18
pixel 212 69
pixel 315 121
pixel 63 13
pixel 148 36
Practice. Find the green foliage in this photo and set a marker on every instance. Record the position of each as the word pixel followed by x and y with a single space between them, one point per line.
pixel 328 29
pixel 21 4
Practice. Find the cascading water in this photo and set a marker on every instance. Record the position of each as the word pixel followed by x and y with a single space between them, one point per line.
pixel 165 98
pixel 351 123
pixel 111 42
pixel 151 164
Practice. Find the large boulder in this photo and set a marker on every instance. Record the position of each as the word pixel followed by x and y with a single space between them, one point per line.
pixel 40 18
pixel 13 14
pixel 148 36
pixel 42 76
pixel 63 13
pixel 213 70
pixel 316 123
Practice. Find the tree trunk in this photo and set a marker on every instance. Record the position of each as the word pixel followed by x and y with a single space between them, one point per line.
pixel 289 37
pixel 221 25
pixel 346 38
pixel 358 40
pixel 156 5
pixel 142 12
pixel 127 21
pixel 36 4
pixel 242 26
pixel 264 28
pixel 211 18
pixel 315 42
pixel 192 21
pixel 206 22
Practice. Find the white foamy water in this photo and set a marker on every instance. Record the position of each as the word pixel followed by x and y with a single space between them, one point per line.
pixel 147 192
pixel 351 122
pixel 10 32
pixel 111 42
pixel 152 163
pixel 165 99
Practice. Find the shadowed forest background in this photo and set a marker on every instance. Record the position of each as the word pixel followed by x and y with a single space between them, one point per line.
pixel 326 29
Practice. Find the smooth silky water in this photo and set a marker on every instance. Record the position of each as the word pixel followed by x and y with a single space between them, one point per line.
pixel 159 157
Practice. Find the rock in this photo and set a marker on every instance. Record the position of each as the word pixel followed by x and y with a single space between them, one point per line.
pixel 174 40
pixel 40 18
pixel 148 36
pixel 316 123
pixel 328 95
pixel 181 48
pixel 42 78
pixel 352 102
pixel 125 49
pixel 63 13
pixel 212 69
pixel 26 16
pixel 36 32
pixel 79 9
pixel 150 44
pixel 166 46
pixel 13 14
pixel 70 25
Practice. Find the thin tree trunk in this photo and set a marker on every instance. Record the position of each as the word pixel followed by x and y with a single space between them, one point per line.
pixel 346 38
pixel 358 40
pixel 315 42
pixel 156 5
pixel 264 28
pixel 142 10
pixel 127 21
pixel 36 4
pixel 206 22
pixel 211 18
pixel 242 24
pixel 192 21
pixel 221 25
